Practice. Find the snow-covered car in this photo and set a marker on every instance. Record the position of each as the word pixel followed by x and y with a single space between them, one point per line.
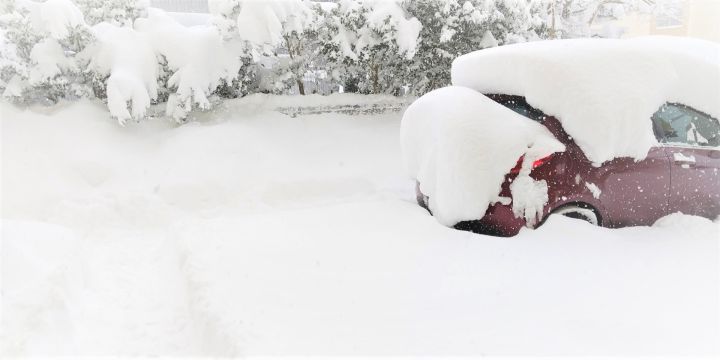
pixel 615 132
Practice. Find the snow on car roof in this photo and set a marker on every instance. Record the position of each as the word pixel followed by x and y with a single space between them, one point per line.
pixel 603 91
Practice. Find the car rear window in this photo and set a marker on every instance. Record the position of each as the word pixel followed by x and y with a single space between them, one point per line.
pixel 519 105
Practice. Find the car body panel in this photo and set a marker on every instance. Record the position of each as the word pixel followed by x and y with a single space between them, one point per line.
pixel 634 192
pixel 695 180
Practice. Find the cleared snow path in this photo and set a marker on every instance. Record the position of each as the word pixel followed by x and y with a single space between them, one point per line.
pixel 264 234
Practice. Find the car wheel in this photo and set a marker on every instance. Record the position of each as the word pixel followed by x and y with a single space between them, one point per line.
pixel 578 212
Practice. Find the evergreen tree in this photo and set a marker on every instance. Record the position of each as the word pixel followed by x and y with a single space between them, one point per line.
pixel 451 28
pixel 116 12
pixel 39 59
pixel 371 45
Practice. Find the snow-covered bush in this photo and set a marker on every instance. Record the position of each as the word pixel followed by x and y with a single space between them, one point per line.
pixel 16 42
pixel 38 60
pixel 300 44
pixel 264 24
pixel 386 43
pixel 337 37
pixel 159 56
pixel 116 12
pixel 450 28
pixel 453 27
pixel 127 59
pixel 197 56
pixel 384 46
pixel 224 16
pixel 279 33
pixel 371 44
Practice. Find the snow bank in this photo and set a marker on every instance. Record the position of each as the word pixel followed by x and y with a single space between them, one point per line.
pixel 690 226
pixel 603 91
pixel 248 234
pixel 269 101
pixel 459 145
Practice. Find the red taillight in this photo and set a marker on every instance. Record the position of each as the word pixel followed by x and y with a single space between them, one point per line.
pixel 536 163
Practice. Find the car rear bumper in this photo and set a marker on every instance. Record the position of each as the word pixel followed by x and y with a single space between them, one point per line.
pixel 499 220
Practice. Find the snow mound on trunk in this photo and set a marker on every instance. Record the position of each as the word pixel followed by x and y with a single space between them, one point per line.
pixel 602 91
pixel 459 145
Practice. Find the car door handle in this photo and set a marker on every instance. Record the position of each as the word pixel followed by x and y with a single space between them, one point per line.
pixel 684 160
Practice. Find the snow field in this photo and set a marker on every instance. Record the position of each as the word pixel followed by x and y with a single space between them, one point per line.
pixel 249 232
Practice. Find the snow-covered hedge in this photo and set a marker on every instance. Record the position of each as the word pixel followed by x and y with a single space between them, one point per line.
pixel 132 56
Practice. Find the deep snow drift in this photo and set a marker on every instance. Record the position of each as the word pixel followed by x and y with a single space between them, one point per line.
pixel 603 91
pixel 249 232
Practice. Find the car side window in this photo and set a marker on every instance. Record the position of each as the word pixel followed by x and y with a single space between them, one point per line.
pixel 681 124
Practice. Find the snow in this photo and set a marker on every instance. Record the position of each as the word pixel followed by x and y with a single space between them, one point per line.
pixel 217 7
pixel 678 156
pixel 14 87
pixel 603 91
pixel 197 56
pixel 255 102
pixel 488 40
pixel 326 6
pixel 251 233
pixel 128 57
pixel 594 189
pixel 446 34
pixel 388 13
pixel 344 38
pixel 265 22
pixel 191 19
pixel 49 59
pixel 692 225
pixel 529 196
pixel 54 16
pixel 451 139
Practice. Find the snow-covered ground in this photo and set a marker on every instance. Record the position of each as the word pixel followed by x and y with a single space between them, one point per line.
pixel 251 232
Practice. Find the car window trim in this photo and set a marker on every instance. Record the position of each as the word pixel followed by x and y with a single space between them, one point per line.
pixel 688 146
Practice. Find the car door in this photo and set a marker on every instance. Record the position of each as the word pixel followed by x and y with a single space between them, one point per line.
pixel 633 192
pixel 691 140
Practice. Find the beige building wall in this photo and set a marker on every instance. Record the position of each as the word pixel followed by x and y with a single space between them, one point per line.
pixel 700 19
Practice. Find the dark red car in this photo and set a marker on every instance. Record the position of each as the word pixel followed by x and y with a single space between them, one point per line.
pixel 682 174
